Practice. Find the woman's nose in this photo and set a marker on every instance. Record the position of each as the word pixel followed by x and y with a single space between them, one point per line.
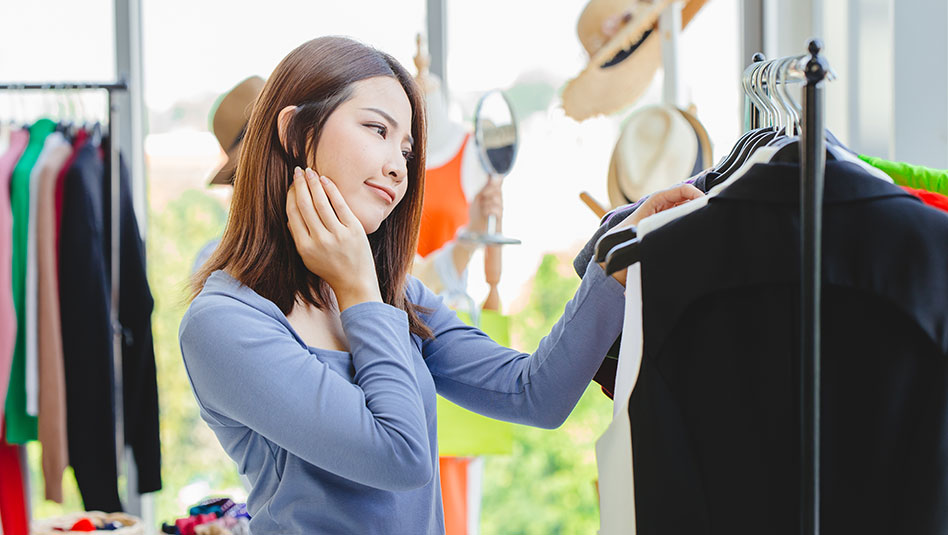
pixel 397 169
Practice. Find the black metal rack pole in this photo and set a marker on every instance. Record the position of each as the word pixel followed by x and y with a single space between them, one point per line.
pixel 813 161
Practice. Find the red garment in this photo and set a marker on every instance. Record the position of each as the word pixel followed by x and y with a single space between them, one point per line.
pixel 929 197
pixel 445 207
pixel 14 517
pixel 80 140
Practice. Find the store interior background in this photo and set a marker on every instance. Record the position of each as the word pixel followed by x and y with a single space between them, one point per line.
pixel 192 51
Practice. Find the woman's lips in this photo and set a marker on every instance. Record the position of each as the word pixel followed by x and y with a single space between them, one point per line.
pixel 385 193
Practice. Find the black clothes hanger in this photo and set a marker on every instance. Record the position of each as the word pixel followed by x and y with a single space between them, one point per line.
pixel 623 255
pixel 736 150
pixel 761 138
pixel 754 139
pixel 610 239
pixel 620 249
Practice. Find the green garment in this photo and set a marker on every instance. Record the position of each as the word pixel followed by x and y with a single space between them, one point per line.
pixel 462 433
pixel 21 427
pixel 913 176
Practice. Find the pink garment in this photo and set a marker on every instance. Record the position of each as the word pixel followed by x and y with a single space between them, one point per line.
pixel 51 424
pixel 18 142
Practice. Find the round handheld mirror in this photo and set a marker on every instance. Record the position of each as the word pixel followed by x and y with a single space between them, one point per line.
pixel 495 134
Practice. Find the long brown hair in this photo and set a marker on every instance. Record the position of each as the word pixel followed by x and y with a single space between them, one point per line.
pixel 257 248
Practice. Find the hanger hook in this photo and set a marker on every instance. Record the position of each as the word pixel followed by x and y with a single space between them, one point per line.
pixel 797 63
pixel 775 82
pixel 61 102
pixel 786 98
pixel 748 83
pixel 771 83
pixel 762 91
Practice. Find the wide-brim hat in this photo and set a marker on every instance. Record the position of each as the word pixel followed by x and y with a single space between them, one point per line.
pixel 229 118
pixel 624 47
pixel 657 148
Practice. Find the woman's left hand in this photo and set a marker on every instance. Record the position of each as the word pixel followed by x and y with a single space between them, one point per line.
pixel 657 202
pixel 330 239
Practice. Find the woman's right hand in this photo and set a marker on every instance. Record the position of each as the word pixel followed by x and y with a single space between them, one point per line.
pixel 330 239
pixel 656 202
pixel 488 202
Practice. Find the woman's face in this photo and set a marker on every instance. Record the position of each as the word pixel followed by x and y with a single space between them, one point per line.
pixel 364 149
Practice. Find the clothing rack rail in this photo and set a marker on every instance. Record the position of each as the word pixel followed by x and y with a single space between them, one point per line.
pixel 114 173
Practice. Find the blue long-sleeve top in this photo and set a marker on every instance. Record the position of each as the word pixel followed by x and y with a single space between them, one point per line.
pixel 346 442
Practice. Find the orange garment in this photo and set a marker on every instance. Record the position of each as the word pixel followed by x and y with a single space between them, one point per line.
pixel 454 493
pixel 445 207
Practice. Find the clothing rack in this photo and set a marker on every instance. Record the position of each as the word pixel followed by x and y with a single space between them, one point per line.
pixel 114 173
pixel 814 72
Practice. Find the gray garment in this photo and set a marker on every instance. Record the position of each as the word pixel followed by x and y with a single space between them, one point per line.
pixel 339 442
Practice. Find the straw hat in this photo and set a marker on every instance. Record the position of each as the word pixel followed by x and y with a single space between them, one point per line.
pixel 229 119
pixel 658 147
pixel 624 50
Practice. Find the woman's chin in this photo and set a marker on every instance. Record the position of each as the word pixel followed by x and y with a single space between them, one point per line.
pixel 373 221
pixel 370 226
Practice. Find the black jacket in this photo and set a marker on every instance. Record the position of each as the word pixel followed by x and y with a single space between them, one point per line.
pixel 714 415
pixel 84 288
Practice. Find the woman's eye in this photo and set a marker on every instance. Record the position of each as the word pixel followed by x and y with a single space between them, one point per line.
pixel 380 129
pixel 408 155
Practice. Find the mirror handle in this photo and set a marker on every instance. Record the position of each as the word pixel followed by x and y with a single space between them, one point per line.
pixel 492 269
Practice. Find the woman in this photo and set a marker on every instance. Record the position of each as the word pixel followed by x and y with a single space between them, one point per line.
pixel 313 355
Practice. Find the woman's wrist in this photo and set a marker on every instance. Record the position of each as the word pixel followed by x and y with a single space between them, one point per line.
pixel 619 276
pixel 347 297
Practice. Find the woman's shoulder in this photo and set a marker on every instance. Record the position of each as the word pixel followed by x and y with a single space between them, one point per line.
pixel 417 293
pixel 225 299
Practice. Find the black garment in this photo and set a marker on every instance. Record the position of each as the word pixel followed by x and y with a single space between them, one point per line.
pixel 84 290
pixel 714 415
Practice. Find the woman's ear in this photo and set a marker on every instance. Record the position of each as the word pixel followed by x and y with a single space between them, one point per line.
pixel 283 122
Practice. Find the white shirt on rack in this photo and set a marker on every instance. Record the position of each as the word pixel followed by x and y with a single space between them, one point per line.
pixel 31 297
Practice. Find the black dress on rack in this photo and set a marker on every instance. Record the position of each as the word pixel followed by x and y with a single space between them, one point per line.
pixel 85 289
pixel 714 415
